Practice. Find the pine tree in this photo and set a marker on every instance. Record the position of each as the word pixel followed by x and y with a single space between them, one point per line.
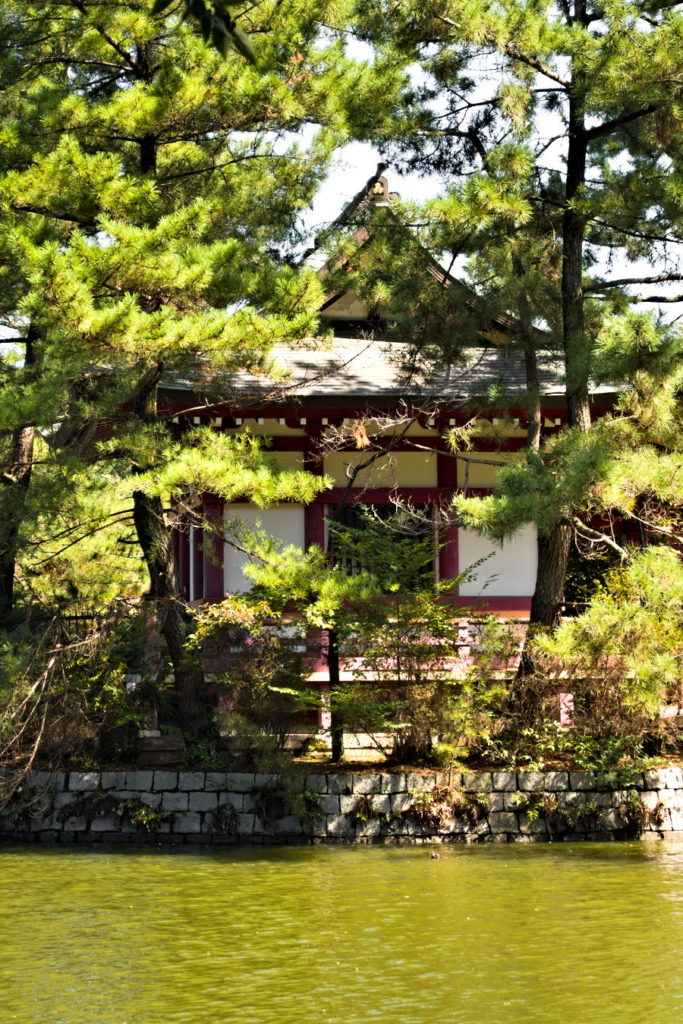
pixel 502 88
pixel 150 195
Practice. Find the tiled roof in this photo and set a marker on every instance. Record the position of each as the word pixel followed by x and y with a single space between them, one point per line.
pixel 359 368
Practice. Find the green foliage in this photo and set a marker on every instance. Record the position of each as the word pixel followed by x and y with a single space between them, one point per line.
pixel 283 797
pixel 216 23
pixel 131 809
pixel 624 652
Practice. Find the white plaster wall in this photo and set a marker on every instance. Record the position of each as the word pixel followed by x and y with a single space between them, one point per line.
pixel 283 522
pixel 348 306
pixel 401 469
pixel 269 428
pixel 510 569
pixel 483 474
pixel 287 460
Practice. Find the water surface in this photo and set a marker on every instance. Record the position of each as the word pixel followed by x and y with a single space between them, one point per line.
pixel 580 934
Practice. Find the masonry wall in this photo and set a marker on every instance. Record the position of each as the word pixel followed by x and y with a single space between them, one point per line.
pixel 372 806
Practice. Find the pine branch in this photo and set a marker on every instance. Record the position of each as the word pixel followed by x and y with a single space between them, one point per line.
pixel 656 298
pixel 597 536
pixel 622 281
pixel 107 38
pixel 608 127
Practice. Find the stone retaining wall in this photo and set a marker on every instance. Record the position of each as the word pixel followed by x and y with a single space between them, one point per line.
pixel 372 806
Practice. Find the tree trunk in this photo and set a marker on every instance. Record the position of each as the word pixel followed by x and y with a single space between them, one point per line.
pixel 533 436
pixel 154 537
pixel 553 554
pixel 576 345
pixel 14 485
pixel 336 725
pixel 553 551
pixel 155 540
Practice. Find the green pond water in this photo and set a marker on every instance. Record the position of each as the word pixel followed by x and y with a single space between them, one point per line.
pixel 576 934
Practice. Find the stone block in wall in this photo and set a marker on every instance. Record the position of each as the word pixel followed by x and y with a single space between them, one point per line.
pixel 368 829
pixel 138 781
pixel 53 822
pixel 370 782
pixel 649 799
pixel 401 802
pixel 191 780
pixel 511 801
pixel 151 799
pixel 503 821
pixel 477 782
pixel 61 800
pixel 448 779
pixel 41 780
pixel 676 819
pixel 187 823
pixel 289 825
pixel 347 804
pixel 80 782
pixel 393 782
pixel 342 784
pixel 201 801
pixel 583 780
pixel 572 798
pixel 417 783
pixel 668 797
pixel 532 826
pixel 49 836
pixel 330 804
pixel 248 803
pixel 165 780
pixel 501 802
pixel 113 780
pixel 316 783
pixel 239 782
pixel 530 782
pixel 673 777
pixel 175 802
pixel 215 781
pixel 262 780
pixel 653 779
pixel 107 823
pixel 48 782
pixel 504 781
pixel 235 800
pixel 380 803
pixel 613 819
pixel 339 826
pixel 246 824
pixel 556 782
pixel 75 824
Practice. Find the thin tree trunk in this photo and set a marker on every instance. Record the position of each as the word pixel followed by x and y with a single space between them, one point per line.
pixel 14 486
pixel 576 344
pixel 154 537
pixel 533 436
pixel 336 725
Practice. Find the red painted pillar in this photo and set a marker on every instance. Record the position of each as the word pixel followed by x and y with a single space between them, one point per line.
pixel 212 550
pixel 314 525
pixel 183 556
pixel 447 476
pixel 314 514
pixel 448 555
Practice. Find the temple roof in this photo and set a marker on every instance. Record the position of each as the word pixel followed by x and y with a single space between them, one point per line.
pixel 360 369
